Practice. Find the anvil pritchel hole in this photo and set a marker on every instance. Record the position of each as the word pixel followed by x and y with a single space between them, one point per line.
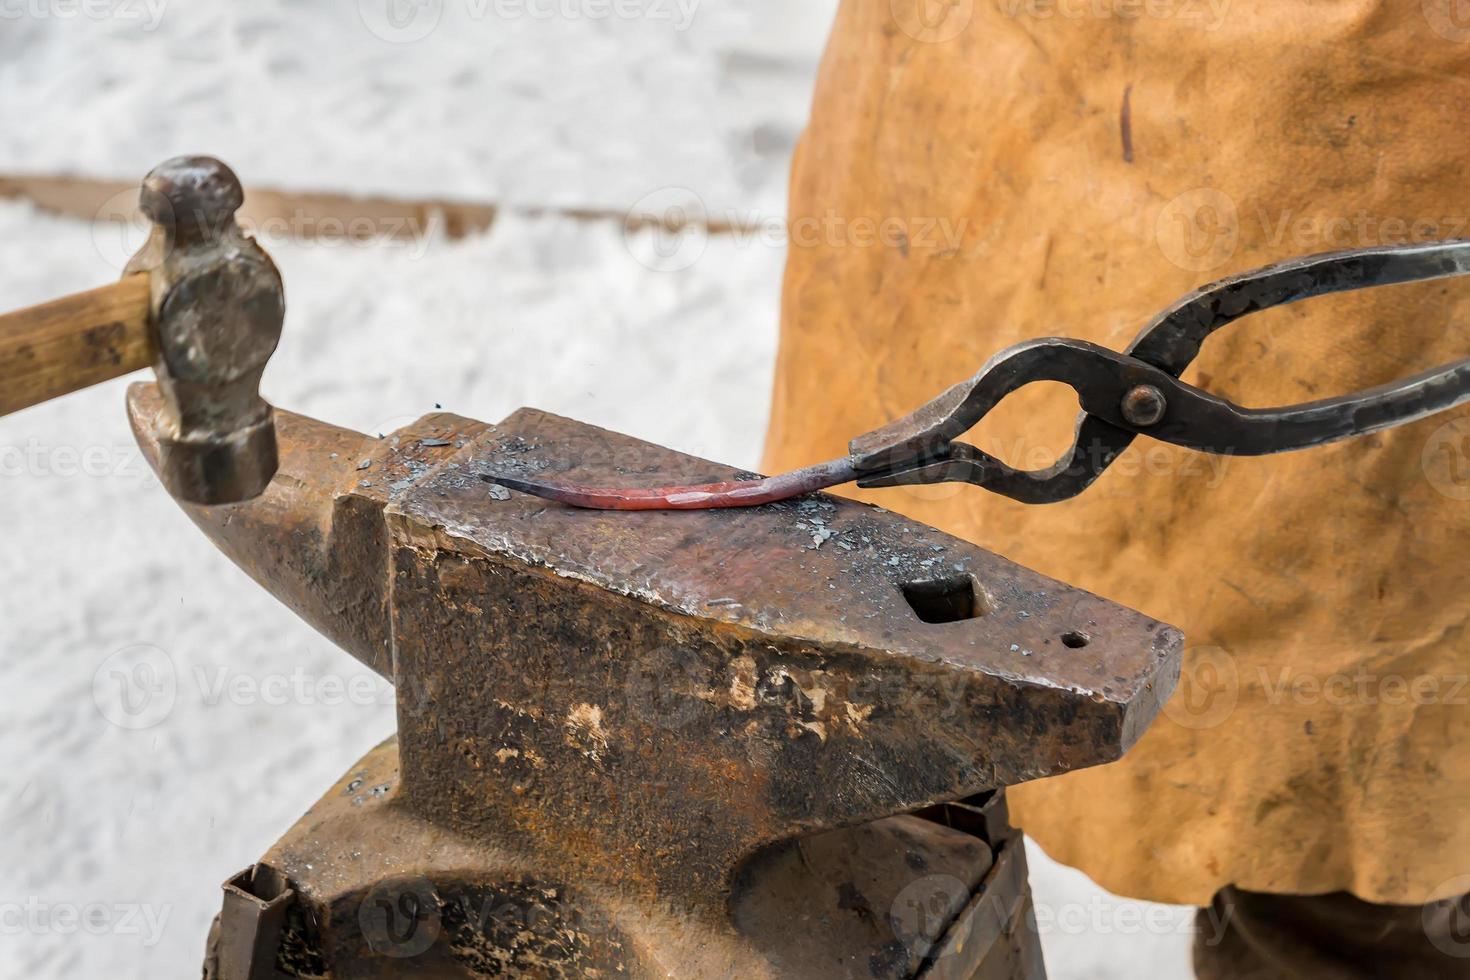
pixel 1075 640
pixel 947 600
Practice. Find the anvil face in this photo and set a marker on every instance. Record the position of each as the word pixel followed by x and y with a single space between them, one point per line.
pixel 641 702
pixel 698 685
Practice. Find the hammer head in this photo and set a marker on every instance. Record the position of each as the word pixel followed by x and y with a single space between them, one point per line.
pixel 217 306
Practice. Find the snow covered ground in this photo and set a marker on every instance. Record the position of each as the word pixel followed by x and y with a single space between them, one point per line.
pixel 121 817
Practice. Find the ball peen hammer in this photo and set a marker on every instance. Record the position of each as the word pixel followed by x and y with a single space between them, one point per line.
pixel 201 303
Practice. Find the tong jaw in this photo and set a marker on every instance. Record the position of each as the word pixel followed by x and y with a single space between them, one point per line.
pixel 922 447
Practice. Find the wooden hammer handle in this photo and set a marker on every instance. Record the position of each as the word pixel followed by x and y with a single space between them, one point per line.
pixel 59 347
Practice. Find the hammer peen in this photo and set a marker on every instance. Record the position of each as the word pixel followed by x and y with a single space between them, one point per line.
pixel 200 302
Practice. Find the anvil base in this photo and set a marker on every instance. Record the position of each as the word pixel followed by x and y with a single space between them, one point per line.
pixel 362 887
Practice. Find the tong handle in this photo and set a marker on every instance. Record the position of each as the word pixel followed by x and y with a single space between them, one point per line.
pixel 1139 392
pixel 1121 394
pixel 1198 420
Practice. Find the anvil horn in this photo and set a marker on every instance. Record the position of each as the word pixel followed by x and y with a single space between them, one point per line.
pixel 316 539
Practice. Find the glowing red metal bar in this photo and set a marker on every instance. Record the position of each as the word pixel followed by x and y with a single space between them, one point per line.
pixel 706 496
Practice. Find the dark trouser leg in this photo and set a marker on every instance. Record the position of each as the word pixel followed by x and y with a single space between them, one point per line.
pixel 1253 936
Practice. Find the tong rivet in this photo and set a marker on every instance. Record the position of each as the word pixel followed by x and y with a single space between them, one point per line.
pixel 1144 406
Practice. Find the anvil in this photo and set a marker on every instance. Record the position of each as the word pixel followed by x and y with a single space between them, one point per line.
pixel 752 743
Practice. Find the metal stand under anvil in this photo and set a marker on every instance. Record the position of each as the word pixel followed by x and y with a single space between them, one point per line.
pixel 744 743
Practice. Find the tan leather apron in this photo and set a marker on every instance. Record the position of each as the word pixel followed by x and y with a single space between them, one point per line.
pixel 980 172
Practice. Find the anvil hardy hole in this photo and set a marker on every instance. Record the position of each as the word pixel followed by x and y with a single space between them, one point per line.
pixel 1075 640
pixel 948 600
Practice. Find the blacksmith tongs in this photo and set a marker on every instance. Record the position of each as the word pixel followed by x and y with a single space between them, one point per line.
pixel 1122 396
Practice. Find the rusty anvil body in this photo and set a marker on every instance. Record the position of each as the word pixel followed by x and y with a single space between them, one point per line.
pixel 744 743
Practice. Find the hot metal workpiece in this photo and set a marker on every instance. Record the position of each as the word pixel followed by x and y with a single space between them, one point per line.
pixel 697 745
